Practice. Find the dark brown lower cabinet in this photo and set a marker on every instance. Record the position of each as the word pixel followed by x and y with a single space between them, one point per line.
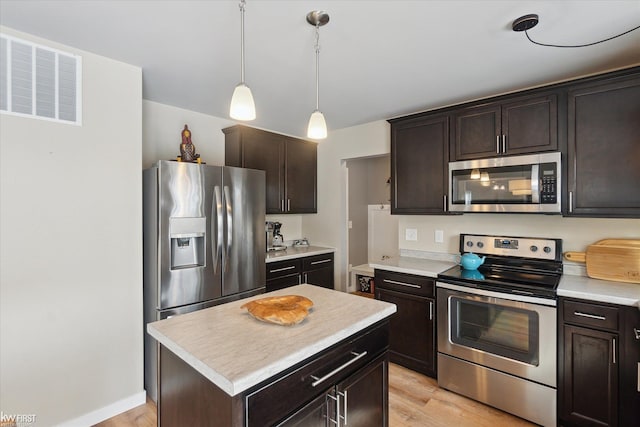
pixel 598 364
pixel 347 382
pixel 412 335
pixel 591 397
pixel 315 270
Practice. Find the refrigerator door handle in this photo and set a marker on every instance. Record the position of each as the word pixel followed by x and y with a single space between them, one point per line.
pixel 227 199
pixel 217 247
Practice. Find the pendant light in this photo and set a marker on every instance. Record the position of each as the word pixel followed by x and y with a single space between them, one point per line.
pixel 317 128
pixel 242 105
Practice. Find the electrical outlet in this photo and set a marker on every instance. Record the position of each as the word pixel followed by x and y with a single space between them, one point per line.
pixel 411 234
pixel 350 225
pixel 438 236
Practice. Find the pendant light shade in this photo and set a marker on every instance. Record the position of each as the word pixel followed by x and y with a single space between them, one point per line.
pixel 242 105
pixel 317 128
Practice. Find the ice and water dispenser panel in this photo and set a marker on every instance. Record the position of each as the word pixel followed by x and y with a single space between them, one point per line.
pixel 187 242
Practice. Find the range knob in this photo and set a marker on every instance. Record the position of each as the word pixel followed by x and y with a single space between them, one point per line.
pixel 480 244
pixel 533 248
pixel 546 249
pixel 469 243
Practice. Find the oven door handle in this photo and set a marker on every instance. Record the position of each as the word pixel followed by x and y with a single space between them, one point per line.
pixel 491 294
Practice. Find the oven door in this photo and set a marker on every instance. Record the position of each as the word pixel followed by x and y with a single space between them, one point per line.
pixel 486 328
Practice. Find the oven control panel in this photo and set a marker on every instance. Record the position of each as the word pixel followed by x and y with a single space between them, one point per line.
pixel 523 247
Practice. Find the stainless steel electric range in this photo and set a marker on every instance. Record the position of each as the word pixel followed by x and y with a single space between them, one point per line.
pixel 497 325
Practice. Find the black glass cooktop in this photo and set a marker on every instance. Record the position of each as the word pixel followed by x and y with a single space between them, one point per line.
pixel 505 279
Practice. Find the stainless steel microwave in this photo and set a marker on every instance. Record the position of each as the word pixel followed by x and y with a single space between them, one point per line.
pixel 527 184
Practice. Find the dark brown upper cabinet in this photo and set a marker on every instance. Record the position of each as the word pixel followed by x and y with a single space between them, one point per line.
pixel 419 165
pixel 516 125
pixel 290 165
pixel 603 177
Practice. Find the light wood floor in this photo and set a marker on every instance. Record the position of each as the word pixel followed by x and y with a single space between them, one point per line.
pixel 414 401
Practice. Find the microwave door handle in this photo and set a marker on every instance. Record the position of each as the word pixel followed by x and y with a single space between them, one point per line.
pixel 535 183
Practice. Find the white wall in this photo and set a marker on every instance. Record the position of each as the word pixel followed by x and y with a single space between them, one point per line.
pixel 70 253
pixel 329 226
pixel 162 129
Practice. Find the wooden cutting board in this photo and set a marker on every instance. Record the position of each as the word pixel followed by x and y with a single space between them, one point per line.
pixel 611 259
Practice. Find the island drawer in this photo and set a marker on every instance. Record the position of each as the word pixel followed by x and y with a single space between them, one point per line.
pixel 283 268
pixel 281 395
pixel 590 315
pixel 402 282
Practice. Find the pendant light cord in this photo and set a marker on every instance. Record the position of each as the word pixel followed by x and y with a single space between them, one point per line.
pixel 242 5
pixel 580 45
pixel 317 67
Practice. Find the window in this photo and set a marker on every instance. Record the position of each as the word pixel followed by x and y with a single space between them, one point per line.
pixel 39 82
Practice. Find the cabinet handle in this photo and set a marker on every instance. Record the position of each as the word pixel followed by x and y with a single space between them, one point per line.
pixel 288 205
pixel 344 395
pixel 281 205
pixel 430 310
pixel 282 269
pixel 590 316
pixel 497 144
pixel 306 280
pixel 321 261
pixel 411 285
pixel 504 143
pixel 336 422
pixel 338 369
pixel 637 332
pixel 445 207
pixel 613 351
pixel 570 201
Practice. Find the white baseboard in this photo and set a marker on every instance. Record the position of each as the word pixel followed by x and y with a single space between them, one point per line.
pixel 108 411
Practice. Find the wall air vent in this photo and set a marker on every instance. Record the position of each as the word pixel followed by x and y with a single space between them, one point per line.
pixel 39 82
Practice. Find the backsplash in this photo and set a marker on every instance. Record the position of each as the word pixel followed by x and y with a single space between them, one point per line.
pixel 576 233
pixel 291 226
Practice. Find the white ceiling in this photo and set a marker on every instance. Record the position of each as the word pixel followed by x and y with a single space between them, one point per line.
pixel 379 59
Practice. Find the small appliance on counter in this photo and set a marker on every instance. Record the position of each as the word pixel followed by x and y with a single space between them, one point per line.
pixel 304 242
pixel 275 239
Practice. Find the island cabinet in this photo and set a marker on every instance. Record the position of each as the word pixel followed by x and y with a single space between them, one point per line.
pixel 514 125
pixel 412 337
pixel 347 383
pixel 290 166
pixel 598 364
pixel 419 164
pixel 604 147
pixel 314 270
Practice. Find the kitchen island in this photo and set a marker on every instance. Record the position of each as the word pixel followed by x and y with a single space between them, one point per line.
pixel 220 366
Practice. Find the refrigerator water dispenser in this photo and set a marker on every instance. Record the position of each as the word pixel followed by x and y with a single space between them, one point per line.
pixel 187 242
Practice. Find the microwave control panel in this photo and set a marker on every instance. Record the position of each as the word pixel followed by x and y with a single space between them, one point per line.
pixel 549 183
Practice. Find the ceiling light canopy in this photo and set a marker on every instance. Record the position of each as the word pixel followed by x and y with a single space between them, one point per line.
pixel 529 21
pixel 242 105
pixel 317 128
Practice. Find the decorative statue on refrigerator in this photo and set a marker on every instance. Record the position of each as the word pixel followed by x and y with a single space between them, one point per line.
pixel 187 149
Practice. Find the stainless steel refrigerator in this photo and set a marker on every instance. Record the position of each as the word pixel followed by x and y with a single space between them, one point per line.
pixel 204 242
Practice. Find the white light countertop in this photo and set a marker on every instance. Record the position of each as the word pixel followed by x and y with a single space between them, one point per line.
pixel 297 252
pixel 418 266
pixel 599 290
pixel 235 351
